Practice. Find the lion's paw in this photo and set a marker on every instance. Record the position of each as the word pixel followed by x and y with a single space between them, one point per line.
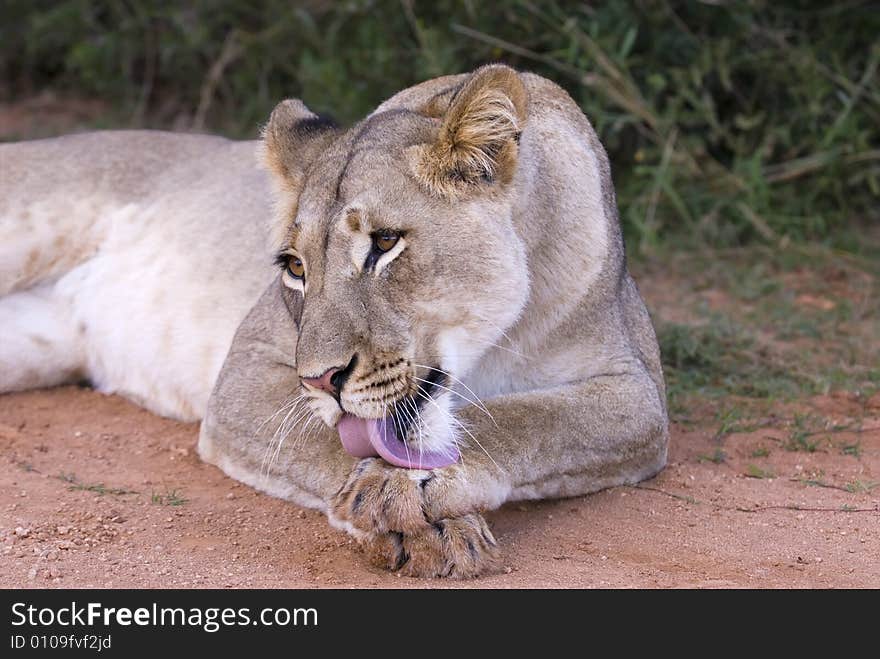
pixel 377 497
pixel 459 548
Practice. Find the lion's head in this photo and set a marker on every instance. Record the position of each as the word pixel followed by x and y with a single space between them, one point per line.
pixel 399 259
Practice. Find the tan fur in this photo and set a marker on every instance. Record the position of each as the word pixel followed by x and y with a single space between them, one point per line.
pixel 508 280
pixel 512 280
pixel 135 255
pixel 478 137
pixel 288 141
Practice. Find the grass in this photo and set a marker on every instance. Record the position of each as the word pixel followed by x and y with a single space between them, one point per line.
pixel 717 457
pixel 706 357
pixel 754 327
pixel 853 487
pixel 800 437
pixel 171 497
pixel 74 484
pixel 859 486
pixel 754 471
pixel 813 482
pixel 726 123
pixel 168 498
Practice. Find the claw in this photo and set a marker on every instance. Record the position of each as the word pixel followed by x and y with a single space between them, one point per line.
pixel 454 548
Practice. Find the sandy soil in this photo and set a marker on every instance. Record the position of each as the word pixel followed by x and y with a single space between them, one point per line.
pixel 88 483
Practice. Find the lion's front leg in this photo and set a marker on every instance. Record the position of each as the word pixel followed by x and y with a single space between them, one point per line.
pixel 407 521
pixel 378 497
pixel 570 441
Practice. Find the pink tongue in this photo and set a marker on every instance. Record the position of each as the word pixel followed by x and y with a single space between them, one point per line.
pixel 364 438
pixel 355 436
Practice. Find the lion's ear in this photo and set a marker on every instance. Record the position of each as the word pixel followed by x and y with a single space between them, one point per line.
pixel 478 139
pixel 292 139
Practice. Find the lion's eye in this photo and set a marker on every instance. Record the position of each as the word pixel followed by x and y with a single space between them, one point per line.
pixel 295 267
pixel 385 240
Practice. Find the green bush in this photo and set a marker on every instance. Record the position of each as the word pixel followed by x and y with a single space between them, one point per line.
pixel 726 122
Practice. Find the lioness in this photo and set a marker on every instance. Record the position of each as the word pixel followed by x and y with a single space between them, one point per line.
pixel 450 324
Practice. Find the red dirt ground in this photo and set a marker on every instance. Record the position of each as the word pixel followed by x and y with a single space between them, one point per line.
pixel 698 524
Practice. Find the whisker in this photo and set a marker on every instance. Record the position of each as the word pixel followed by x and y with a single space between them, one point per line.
pixel 500 347
pixel 293 416
pixel 455 379
pixel 281 439
pixel 292 420
pixel 385 434
pixel 489 322
pixel 313 433
pixel 454 420
pixel 264 466
pixel 419 423
pixel 396 413
pixel 479 405
pixel 412 423
pixel 307 431
pixel 460 425
pixel 289 402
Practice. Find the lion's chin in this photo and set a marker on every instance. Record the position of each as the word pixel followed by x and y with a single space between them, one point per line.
pixel 365 438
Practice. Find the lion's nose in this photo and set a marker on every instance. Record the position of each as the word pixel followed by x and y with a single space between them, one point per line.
pixel 332 379
pixel 325 381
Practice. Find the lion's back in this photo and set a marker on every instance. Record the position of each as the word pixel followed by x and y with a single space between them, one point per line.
pixel 61 198
pixel 151 245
